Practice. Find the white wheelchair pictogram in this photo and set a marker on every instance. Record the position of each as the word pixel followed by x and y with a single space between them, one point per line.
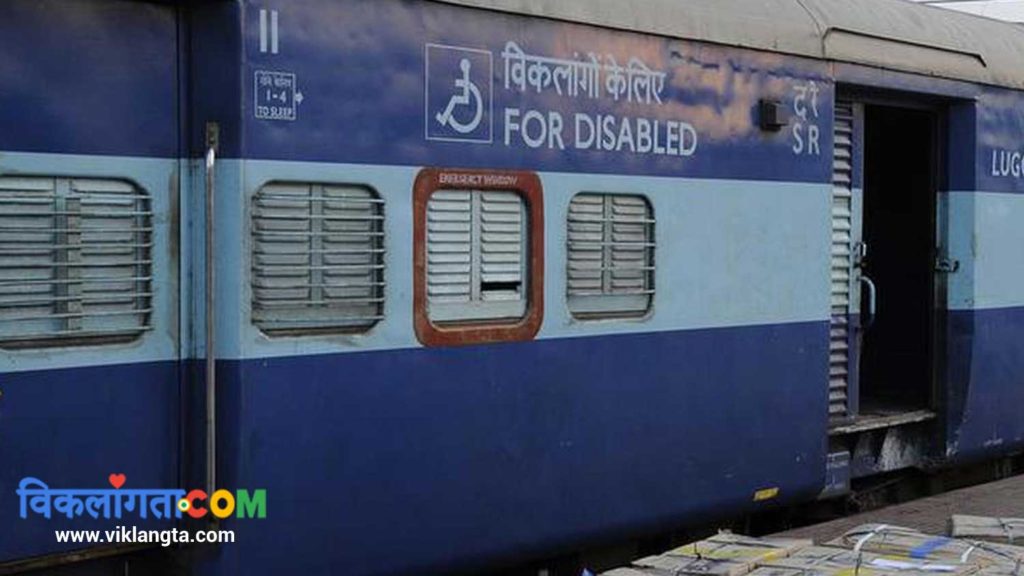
pixel 469 95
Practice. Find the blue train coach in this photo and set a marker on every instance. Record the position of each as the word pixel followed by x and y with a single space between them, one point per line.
pixel 433 285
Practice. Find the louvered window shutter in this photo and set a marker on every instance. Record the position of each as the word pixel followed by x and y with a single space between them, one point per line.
pixel 842 261
pixel 610 255
pixel 75 261
pixel 318 258
pixel 476 255
pixel 501 245
pixel 449 249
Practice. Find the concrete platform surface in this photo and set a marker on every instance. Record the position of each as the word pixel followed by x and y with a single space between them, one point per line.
pixel 1003 498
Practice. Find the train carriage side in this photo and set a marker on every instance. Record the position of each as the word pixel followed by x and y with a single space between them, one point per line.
pixel 506 363
pixel 90 338
pixel 485 315
pixel 497 278
pixel 985 355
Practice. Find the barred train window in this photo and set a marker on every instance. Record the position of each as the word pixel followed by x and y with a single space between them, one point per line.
pixel 75 261
pixel 476 255
pixel 611 255
pixel 318 258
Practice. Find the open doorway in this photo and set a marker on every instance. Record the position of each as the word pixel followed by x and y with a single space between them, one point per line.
pixel 900 186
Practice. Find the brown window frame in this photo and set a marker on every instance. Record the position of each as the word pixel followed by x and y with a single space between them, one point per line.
pixel 527 185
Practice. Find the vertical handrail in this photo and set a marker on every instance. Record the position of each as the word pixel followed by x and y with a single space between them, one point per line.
pixel 872 301
pixel 211 356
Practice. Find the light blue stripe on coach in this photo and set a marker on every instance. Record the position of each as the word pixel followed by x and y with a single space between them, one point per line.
pixel 159 178
pixel 729 253
pixel 986 236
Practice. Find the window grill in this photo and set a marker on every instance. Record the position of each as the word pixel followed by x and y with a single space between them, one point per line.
pixel 610 255
pixel 75 261
pixel 318 258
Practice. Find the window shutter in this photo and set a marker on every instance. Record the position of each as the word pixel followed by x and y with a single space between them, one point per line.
pixel 630 271
pixel 610 255
pixel 75 260
pixel 116 240
pixel 586 245
pixel 502 246
pixel 353 253
pixel 449 247
pixel 28 258
pixel 318 258
pixel 476 255
pixel 842 261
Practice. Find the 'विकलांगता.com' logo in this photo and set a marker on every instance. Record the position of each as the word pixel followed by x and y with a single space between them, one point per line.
pixel 41 500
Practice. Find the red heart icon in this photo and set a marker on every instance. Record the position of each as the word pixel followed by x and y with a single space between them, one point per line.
pixel 117 480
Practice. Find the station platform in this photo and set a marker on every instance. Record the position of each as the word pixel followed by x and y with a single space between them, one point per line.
pixel 908 546
pixel 1003 498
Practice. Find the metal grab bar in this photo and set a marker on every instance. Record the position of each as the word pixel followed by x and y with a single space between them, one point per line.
pixel 872 301
pixel 211 356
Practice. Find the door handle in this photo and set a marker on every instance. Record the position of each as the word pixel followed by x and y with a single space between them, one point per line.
pixel 860 253
pixel 872 294
pixel 946 265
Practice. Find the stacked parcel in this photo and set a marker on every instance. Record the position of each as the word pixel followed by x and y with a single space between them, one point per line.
pixel 869 550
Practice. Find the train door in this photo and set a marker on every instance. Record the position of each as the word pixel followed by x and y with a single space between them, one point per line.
pixel 898 263
pixel 883 265
pixel 90 330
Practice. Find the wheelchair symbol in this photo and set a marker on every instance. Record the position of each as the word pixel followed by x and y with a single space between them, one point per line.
pixel 469 96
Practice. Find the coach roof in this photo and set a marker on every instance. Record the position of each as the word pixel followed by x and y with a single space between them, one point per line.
pixel 893 34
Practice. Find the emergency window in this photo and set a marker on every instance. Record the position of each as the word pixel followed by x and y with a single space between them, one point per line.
pixel 318 258
pixel 610 255
pixel 75 261
pixel 478 256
